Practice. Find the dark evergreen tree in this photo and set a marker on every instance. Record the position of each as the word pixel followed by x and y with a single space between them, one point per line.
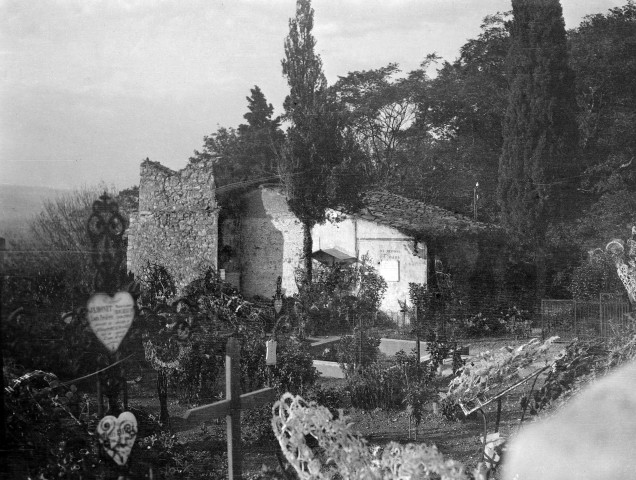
pixel 248 152
pixel 537 167
pixel 319 160
pixel 261 136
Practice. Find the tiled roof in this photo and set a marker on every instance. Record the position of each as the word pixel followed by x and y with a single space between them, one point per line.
pixel 417 218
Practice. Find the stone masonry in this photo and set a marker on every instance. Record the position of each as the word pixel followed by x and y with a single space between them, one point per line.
pixel 271 243
pixel 177 222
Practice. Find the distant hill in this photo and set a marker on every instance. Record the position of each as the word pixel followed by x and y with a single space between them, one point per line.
pixel 18 204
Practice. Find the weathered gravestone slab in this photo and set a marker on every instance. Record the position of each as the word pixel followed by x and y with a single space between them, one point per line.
pixel 110 318
pixel 591 438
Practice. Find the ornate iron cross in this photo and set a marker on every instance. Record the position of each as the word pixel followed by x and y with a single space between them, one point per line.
pixel 106 227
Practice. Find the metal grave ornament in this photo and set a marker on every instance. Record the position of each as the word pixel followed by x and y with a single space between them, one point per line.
pixel 117 436
pixel 625 262
pixel 105 228
pixel 110 318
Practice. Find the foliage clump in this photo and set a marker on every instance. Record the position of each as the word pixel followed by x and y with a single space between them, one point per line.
pixel 185 338
pixel 339 298
pixel 491 372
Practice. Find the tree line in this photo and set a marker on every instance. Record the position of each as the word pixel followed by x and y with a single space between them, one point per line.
pixel 540 118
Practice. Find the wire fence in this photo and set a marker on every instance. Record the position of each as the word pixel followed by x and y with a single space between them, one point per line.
pixel 584 318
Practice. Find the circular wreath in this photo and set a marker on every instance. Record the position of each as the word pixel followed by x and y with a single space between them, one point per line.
pixel 169 348
pixel 158 357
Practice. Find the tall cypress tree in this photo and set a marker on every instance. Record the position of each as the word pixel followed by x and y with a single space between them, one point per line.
pixel 318 151
pixel 537 167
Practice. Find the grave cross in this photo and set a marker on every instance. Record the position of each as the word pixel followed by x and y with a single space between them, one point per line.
pixel 231 407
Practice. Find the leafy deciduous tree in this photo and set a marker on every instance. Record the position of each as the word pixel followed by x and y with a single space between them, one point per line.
pixel 381 108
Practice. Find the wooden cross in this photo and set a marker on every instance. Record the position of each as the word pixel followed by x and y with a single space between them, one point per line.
pixel 231 407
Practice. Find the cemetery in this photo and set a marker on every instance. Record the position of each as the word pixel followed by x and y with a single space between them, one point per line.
pixel 206 384
pixel 404 276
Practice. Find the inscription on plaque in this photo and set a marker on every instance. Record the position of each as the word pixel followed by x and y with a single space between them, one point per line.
pixel 389 254
pixel 110 318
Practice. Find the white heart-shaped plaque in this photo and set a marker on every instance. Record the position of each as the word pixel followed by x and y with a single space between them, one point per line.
pixel 110 317
pixel 117 436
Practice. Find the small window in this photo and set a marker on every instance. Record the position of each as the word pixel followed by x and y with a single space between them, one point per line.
pixel 390 270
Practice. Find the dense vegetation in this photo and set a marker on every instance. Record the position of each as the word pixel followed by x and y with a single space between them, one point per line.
pixel 485 117
pixel 433 137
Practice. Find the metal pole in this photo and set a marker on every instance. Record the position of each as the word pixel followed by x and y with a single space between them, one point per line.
pixel 100 404
pixel 360 334
pixel 3 431
pixel 417 341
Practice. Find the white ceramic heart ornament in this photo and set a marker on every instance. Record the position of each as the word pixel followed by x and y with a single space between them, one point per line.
pixel 117 436
pixel 110 318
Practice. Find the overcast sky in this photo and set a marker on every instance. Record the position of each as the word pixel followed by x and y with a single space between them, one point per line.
pixel 88 89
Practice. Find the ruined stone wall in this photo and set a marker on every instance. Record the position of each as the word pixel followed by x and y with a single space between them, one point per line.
pixel 177 222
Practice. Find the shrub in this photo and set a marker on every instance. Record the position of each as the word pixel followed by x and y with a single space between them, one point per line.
pixel 594 276
pixel 157 285
pixel 376 386
pixel 48 274
pixel 418 388
pixel 333 398
pixel 43 415
pixel 358 350
pixel 339 298
pixel 43 341
pixel 186 331
pixel 577 360
pixel 294 371
pixel 513 321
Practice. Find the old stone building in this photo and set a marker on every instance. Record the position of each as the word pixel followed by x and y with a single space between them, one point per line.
pixel 393 233
pixel 259 239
